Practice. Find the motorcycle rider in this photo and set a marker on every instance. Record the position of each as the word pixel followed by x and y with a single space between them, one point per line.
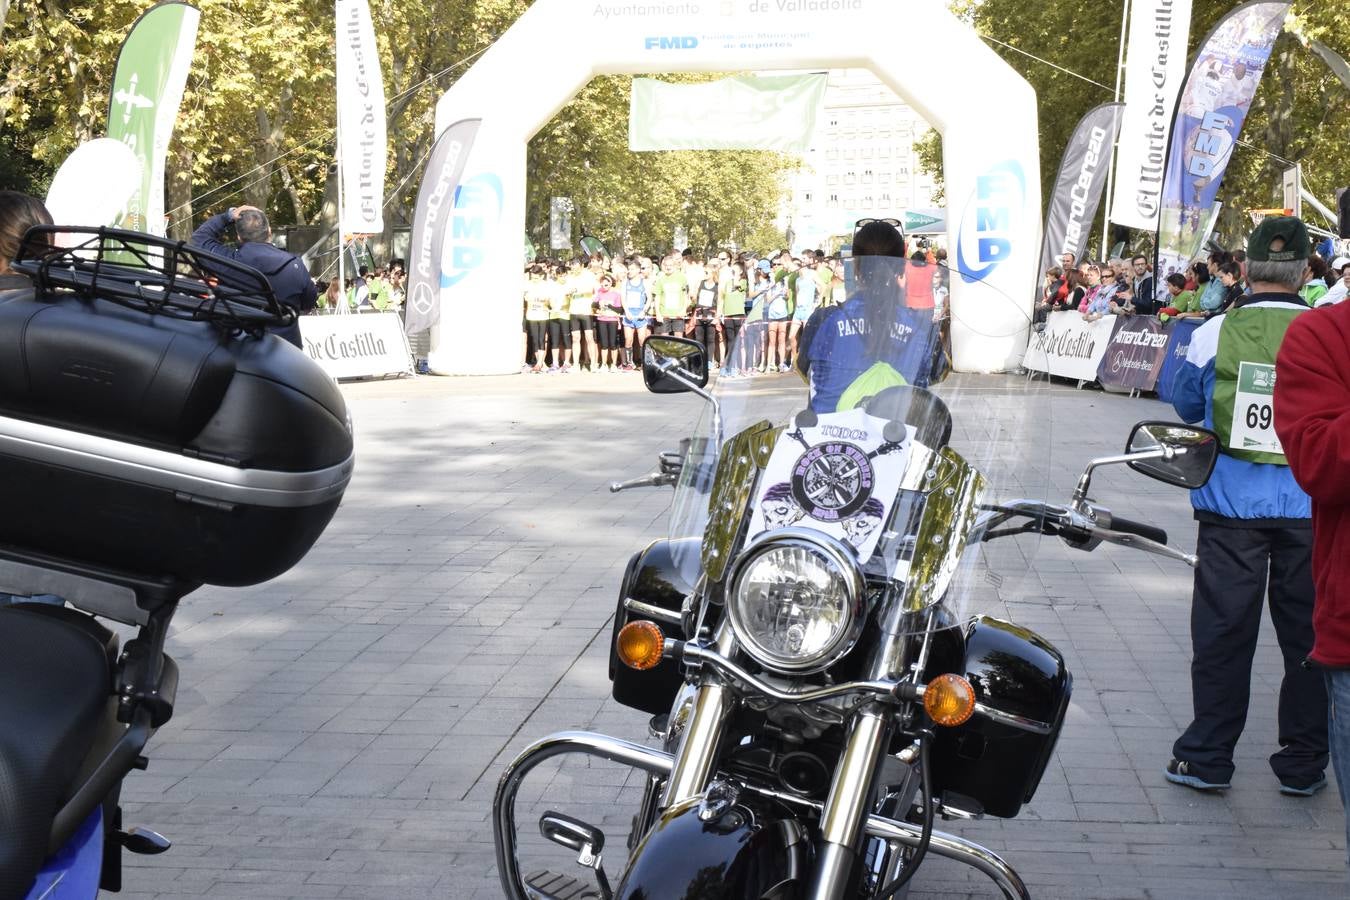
pixel 1254 530
pixel 876 318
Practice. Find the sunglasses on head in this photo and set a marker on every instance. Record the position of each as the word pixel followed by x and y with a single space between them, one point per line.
pixel 894 223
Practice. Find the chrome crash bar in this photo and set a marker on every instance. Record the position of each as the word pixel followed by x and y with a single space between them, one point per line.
pixel 658 762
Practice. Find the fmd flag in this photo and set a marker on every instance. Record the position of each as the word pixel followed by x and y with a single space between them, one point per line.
pixel 437 199
pixel 152 70
pixel 362 141
pixel 1209 116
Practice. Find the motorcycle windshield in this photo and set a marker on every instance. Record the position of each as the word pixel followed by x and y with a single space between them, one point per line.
pixel 870 437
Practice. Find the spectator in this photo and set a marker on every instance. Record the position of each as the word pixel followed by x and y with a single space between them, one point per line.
pixel 1230 276
pixel 288 277
pixel 1315 286
pixel 1254 535
pixel 1185 303
pixel 359 298
pixel 1312 420
pixel 1145 295
pixel 1337 292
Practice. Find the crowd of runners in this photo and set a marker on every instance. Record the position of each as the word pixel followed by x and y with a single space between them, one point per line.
pixel 592 314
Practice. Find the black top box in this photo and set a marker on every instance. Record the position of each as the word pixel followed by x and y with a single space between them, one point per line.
pixel 148 421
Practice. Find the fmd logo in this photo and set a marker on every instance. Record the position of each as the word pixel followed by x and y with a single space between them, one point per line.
pixel 990 221
pixel 478 210
pixel 671 43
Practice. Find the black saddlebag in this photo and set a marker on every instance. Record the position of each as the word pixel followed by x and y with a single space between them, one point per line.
pixel 998 757
pixel 143 441
pixel 652 578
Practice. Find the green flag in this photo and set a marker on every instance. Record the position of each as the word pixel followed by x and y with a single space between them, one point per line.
pixel 148 84
pixel 775 112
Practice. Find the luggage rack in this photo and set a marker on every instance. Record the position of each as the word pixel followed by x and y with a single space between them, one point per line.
pixel 151 275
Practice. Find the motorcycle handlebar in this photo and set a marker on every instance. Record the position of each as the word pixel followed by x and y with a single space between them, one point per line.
pixel 1151 532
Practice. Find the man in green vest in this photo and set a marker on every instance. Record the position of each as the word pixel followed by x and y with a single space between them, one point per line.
pixel 1255 531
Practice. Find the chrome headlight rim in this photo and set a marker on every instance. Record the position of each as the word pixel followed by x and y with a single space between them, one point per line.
pixel 842 557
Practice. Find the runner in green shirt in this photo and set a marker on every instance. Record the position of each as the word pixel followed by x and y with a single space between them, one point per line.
pixel 733 317
pixel 671 292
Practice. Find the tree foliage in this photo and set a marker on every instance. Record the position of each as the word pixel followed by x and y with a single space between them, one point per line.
pixel 1301 112
pixel 258 115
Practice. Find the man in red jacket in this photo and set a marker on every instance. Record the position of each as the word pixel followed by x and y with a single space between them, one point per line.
pixel 1312 419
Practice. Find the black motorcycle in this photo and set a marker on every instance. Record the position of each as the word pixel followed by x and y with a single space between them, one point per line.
pixel 804 639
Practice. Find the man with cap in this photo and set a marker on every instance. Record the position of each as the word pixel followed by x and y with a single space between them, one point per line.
pixel 1312 419
pixel 1255 534
pixel 284 271
pixel 1341 267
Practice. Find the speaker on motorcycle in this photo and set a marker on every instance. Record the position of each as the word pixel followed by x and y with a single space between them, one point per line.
pixel 149 423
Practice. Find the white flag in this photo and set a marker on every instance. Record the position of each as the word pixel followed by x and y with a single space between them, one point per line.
pixel 361 120
pixel 1154 70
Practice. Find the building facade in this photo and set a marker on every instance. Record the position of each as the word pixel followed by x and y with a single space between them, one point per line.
pixel 861 162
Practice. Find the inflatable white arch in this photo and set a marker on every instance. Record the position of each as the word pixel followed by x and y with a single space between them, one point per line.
pixel 985 111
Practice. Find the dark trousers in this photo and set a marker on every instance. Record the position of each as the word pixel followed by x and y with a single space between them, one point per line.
pixel 1238 566
pixel 706 334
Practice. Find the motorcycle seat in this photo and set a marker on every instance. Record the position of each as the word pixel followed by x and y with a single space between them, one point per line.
pixel 55 682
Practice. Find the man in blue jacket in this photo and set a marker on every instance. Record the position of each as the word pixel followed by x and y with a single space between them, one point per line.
pixel 288 277
pixel 1255 531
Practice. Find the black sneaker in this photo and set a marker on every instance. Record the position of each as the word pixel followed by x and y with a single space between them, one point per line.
pixel 1180 772
pixel 1294 790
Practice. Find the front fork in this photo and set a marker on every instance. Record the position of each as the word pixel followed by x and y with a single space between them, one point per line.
pixel 849 802
pixel 851 791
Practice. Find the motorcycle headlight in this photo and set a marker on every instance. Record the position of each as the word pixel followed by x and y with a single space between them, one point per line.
pixel 795 601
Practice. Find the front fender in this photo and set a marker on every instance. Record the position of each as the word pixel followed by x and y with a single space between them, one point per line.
pixel 753 851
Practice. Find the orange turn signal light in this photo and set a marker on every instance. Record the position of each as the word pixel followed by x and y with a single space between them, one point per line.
pixel 640 644
pixel 949 700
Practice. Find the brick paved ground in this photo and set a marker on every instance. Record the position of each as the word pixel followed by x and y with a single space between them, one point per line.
pixel 339 730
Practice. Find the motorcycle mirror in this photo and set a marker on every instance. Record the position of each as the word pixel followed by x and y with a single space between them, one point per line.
pixel 1181 455
pixel 673 365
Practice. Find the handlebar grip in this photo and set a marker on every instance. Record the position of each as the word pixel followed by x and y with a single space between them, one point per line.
pixel 1152 532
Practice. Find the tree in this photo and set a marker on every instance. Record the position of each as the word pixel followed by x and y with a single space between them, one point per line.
pixel 638 200
pixel 258 118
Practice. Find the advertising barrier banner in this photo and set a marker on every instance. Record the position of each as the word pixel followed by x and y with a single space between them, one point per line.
pixel 1070 347
pixel 1135 355
pixel 1177 345
pixel 357 346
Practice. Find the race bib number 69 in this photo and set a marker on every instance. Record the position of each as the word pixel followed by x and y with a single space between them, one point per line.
pixel 1253 427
